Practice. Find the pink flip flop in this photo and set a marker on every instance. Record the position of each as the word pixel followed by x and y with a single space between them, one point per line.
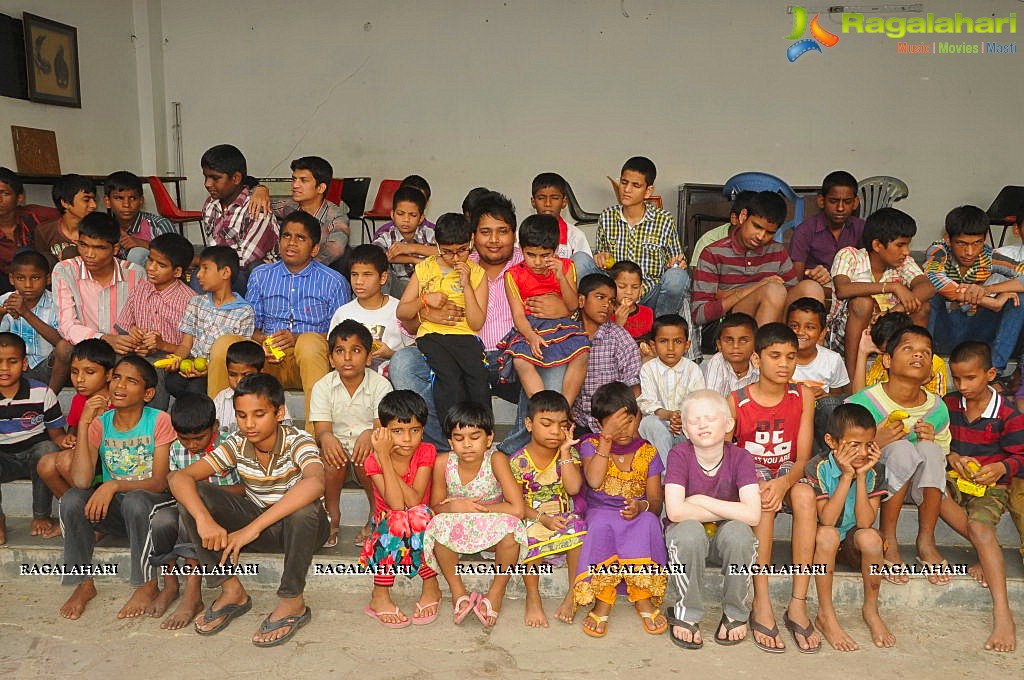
pixel 488 612
pixel 389 624
pixel 424 620
pixel 459 615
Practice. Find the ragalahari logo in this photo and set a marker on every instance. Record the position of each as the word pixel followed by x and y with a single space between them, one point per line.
pixel 819 35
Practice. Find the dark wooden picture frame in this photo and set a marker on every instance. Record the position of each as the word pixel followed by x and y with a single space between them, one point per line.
pixel 51 54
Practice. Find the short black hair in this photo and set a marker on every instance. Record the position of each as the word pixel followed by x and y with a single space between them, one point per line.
pixel 402 406
pixel 122 180
pixel 897 337
pixel 810 305
pixel 321 170
pixel 643 165
pixel 886 325
pixel 473 196
pixel 261 385
pixel 468 414
pixel 972 349
pixel 308 222
pixel 95 350
pixel 409 194
pixel 838 178
pixel 611 397
pixel 885 225
pixel 848 415
pixel 178 249
pixel 418 182
pixel 371 254
pixel 741 202
pixel 224 158
pixel 591 282
pixel 67 187
pixel 30 258
pixel 193 413
pixel 548 180
pixel 101 226
pixel 221 256
pixel 8 339
pixel 670 320
pixel 246 353
pixel 539 231
pixel 768 204
pixel 625 267
pixel 11 179
pixel 738 320
pixel 145 369
pixel 494 205
pixel 774 334
pixel 452 229
pixel 547 401
pixel 345 330
pixel 967 219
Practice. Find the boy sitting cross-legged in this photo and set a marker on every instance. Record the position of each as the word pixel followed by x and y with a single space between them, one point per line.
pixel 280 511
pixel 850 484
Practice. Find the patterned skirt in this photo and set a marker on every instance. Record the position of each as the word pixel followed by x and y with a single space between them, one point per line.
pixel 397 541
pixel 550 546
pixel 566 341
pixel 469 532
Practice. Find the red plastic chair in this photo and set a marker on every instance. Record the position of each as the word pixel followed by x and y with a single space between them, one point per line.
pixel 335 190
pixel 381 209
pixel 166 206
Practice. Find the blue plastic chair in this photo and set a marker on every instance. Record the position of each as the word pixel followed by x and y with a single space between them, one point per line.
pixel 762 181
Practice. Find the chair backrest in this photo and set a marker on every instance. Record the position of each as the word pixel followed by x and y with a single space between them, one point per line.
pixel 880 192
pixel 1009 203
pixel 353 193
pixel 578 214
pixel 165 205
pixel 335 190
pixel 762 181
pixel 383 203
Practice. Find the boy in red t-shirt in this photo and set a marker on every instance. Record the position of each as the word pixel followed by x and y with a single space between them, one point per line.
pixel 775 423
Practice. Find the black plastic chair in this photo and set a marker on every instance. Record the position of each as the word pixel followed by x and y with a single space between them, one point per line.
pixel 578 214
pixel 1006 210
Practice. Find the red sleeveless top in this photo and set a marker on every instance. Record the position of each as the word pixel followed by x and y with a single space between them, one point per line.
pixel 529 284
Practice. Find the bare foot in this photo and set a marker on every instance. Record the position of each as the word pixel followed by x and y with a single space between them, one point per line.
pixel 535 617
pixel 834 633
pixel 75 606
pixel 1003 637
pixel 567 610
pixel 158 607
pixel 978 574
pixel 880 634
pixel 45 527
pixel 139 601
pixel 187 609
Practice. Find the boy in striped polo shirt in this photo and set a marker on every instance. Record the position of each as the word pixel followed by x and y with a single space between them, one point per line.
pixel 280 511
pixel 987 431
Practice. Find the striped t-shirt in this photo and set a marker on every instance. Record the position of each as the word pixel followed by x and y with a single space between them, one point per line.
pixel 996 436
pixel 933 411
pixel 25 417
pixel 293 451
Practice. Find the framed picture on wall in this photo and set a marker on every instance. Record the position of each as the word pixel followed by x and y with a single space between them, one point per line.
pixel 51 55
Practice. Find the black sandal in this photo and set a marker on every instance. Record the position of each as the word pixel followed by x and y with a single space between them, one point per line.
pixel 228 611
pixel 772 632
pixel 694 628
pixel 795 629
pixel 295 622
pixel 729 625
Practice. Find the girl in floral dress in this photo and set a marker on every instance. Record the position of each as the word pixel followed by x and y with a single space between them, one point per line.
pixel 477 506
pixel 548 470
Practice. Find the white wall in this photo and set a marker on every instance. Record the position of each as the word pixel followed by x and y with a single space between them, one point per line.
pixel 103 135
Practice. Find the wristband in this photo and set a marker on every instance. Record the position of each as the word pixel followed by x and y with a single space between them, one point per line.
pixel 423 299
pixel 567 461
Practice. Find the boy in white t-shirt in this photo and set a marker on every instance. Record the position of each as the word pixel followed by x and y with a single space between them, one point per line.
pixel 549 196
pixel 819 369
pixel 371 307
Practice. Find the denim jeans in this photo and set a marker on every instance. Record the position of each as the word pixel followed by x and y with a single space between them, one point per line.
pixel 672 289
pixel 1000 330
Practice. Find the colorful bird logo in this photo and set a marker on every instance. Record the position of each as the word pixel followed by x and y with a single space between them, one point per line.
pixel 820 35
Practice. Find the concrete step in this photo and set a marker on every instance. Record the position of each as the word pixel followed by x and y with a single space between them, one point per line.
pixel 963 592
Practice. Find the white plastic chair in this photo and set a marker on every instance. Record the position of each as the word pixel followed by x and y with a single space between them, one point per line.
pixel 880 192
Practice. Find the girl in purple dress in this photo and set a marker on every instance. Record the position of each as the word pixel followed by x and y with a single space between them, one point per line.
pixel 624 549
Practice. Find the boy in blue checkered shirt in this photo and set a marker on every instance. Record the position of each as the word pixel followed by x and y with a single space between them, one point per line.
pixel 194 418
pixel 31 313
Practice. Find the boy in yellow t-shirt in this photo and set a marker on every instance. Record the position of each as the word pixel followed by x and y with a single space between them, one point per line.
pixel 452 349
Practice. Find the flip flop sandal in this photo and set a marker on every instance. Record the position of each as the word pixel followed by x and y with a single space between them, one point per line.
pixel 598 620
pixel 692 627
pixel 388 624
pixel 943 566
pixel 424 620
pixel 892 577
pixel 361 537
pixel 332 540
pixel 228 611
pixel 772 632
pixel 729 625
pixel 487 613
pixel 650 616
pixel 295 622
pixel 459 614
pixel 795 629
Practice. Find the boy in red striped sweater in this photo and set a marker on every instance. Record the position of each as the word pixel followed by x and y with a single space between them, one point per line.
pixel 988 431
